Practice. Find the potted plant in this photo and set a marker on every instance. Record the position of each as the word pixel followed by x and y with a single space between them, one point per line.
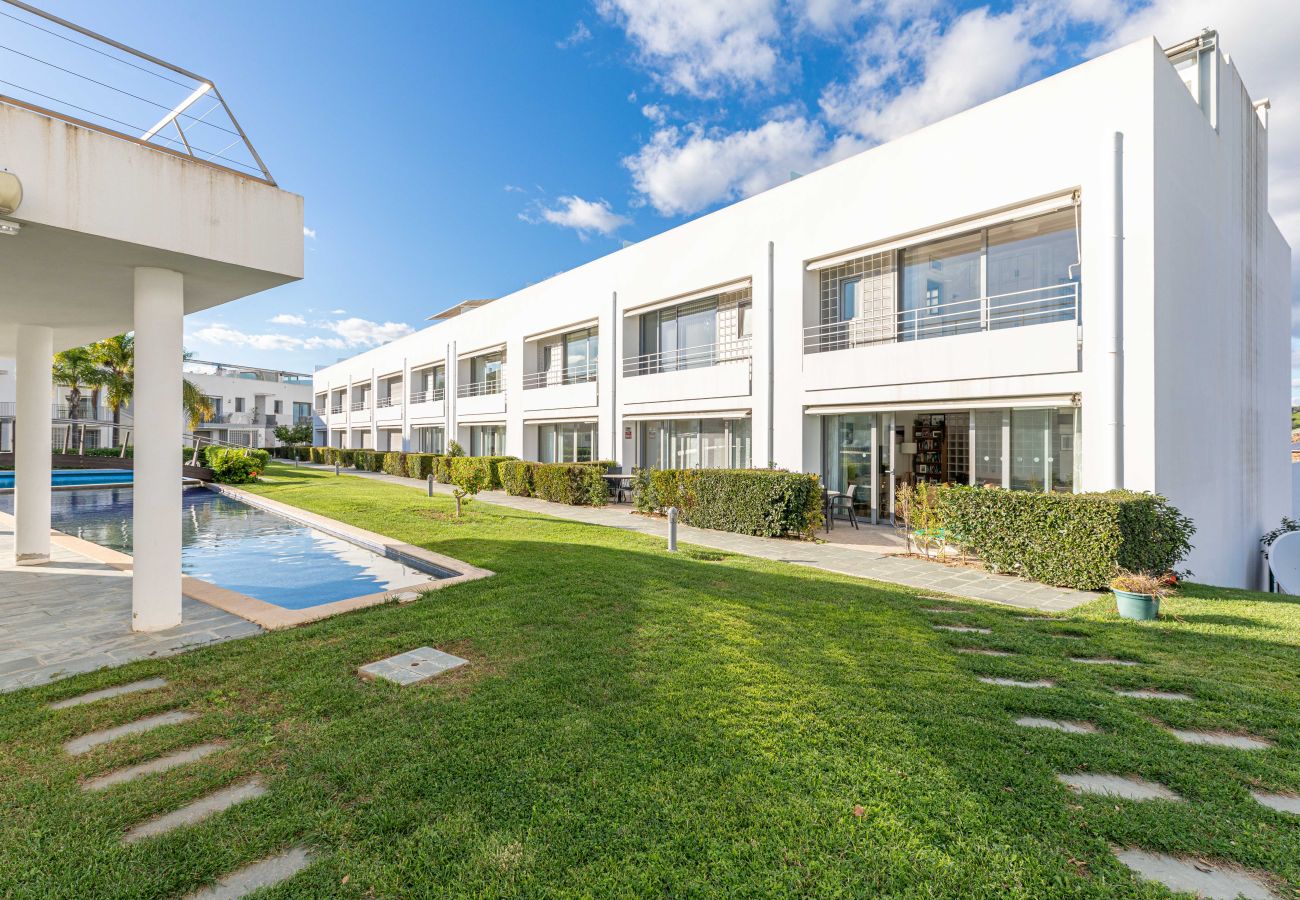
pixel 1137 595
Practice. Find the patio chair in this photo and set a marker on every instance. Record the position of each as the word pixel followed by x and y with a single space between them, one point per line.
pixel 832 504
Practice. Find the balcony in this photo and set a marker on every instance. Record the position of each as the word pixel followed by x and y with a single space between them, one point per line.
pixel 987 337
pixel 431 396
pixel 336 409
pixel 485 397
pixel 571 388
pixel 708 371
pixel 359 405
pixel 580 374
pixel 388 409
pixel 1037 306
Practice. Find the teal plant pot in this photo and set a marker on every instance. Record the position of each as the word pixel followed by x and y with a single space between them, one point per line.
pixel 1143 607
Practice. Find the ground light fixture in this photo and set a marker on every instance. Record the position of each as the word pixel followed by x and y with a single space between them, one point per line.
pixel 7 227
pixel 11 193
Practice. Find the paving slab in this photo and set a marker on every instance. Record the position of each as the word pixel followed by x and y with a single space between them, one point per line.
pixel 1154 695
pixel 962 629
pixel 197 811
pixel 148 684
pixel 88 742
pixel 1057 725
pixel 1127 787
pixel 1103 661
pixel 412 667
pixel 1213 881
pixel 1221 739
pixel 1013 682
pixel 161 764
pixel 1287 803
pixel 982 651
pixel 259 875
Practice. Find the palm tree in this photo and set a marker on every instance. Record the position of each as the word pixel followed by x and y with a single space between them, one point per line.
pixel 115 358
pixel 73 369
pixel 196 405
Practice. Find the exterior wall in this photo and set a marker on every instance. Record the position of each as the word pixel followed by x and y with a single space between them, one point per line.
pixel 259 402
pixel 1049 139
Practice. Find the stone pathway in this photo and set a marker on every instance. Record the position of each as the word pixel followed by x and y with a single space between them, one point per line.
pixel 88 742
pixel 1127 787
pixel 1213 881
pixel 1154 695
pixel 259 875
pixel 843 559
pixel 154 766
pixel 1055 725
pixel 196 812
pixel 1221 739
pixel 74 615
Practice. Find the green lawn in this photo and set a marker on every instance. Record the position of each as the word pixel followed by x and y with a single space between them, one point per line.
pixel 636 723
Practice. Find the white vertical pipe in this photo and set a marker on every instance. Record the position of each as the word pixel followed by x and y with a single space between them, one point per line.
pixel 610 345
pixel 875 468
pixel 1112 468
pixel 771 355
pixel 156 497
pixel 32 445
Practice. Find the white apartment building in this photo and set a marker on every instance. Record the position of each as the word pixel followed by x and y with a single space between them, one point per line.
pixel 1074 287
pixel 249 403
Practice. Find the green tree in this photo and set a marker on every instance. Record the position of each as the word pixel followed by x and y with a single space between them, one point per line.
pixel 115 358
pixel 289 435
pixel 75 369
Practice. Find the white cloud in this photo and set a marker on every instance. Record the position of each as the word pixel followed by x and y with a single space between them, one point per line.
pixel 699 47
pixel 287 319
pixel 345 334
pixel 514 189
pixel 683 171
pixel 357 332
pixel 309 232
pixel 580 34
pixel 584 216
pixel 655 113
pixel 338 312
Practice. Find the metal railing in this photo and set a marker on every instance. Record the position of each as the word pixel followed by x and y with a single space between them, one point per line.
pixel 336 409
pixel 390 400
pixel 359 405
pixel 482 388
pixel 687 358
pixel 579 374
pixel 1036 306
pixel 431 396
pixel 57 68
pixel 83 412
pixel 8 409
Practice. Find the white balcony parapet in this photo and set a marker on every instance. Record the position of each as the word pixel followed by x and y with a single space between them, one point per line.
pixel 687 358
pixel 390 400
pixel 572 375
pixel 480 388
pixel 1036 306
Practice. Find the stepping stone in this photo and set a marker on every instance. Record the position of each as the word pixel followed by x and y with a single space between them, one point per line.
pixel 1103 661
pixel 87 742
pixel 1128 787
pixel 1012 682
pixel 161 764
pixel 1154 695
pixel 413 666
pixel 1287 803
pixel 981 651
pixel 1057 725
pixel 963 629
pixel 197 811
pixel 406 597
pixel 1221 739
pixel 149 684
pixel 1213 881
pixel 943 612
pixel 259 875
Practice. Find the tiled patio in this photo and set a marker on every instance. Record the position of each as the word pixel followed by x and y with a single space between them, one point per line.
pixel 870 552
pixel 74 615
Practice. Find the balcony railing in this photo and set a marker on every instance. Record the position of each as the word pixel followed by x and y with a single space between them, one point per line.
pixel 480 388
pixel 336 409
pixel 579 374
pixel 430 396
pixel 359 405
pixel 8 409
pixel 390 400
pixel 1036 306
pixel 687 358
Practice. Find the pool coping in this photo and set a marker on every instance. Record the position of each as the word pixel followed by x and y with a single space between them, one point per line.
pixel 268 615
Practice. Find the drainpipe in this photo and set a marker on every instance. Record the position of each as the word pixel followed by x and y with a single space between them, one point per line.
pixel 451 384
pixel 616 449
pixel 1114 466
pixel 771 356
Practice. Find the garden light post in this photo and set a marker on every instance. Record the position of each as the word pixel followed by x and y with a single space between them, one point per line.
pixel 430 484
pixel 672 529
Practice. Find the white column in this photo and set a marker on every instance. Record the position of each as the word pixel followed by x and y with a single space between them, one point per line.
pixel 32 445
pixel 156 585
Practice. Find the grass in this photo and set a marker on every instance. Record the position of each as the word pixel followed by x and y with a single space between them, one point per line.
pixel 635 723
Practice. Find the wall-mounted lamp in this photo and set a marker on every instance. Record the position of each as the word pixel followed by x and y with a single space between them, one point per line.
pixel 11 192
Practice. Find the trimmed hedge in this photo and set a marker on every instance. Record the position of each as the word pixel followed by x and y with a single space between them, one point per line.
pixel 1072 540
pixel 517 477
pixel 420 465
pixel 762 502
pixel 394 463
pixel 461 469
pixel 577 484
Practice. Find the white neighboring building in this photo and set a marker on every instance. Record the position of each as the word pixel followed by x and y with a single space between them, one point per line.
pixel 1074 287
pixel 7 396
pixel 248 403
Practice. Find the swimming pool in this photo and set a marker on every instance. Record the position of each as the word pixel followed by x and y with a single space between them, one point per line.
pixel 242 548
pixel 64 477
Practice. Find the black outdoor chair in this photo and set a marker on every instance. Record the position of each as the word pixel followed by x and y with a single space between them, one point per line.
pixel 832 504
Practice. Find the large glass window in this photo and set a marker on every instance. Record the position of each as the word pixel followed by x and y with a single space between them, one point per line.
pixel 567 442
pixel 696 443
pixel 427 439
pixel 988 446
pixel 1065 458
pixel 941 288
pixel 485 372
pixel 847 456
pixel 1033 270
pixel 487 440
pixel 1029 467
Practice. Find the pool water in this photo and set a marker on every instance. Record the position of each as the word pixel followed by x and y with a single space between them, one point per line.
pixel 78 476
pixel 242 548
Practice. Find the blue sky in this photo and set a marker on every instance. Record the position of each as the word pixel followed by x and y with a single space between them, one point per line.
pixel 457 150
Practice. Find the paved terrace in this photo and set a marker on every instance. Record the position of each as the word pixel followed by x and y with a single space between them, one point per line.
pixel 871 552
pixel 74 615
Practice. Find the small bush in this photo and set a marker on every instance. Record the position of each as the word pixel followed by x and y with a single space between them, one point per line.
pixel 463 469
pixel 420 465
pixel 1072 540
pixel 236 465
pixel 394 463
pixel 764 502
pixel 517 477
pixel 577 484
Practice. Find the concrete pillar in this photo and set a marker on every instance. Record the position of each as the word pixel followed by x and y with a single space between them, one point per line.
pixel 156 585
pixel 32 441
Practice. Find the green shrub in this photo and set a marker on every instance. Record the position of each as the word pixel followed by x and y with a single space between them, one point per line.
pixel 420 465
pixel 394 463
pixel 517 477
pixel 463 467
pixel 1072 540
pixel 764 502
pixel 578 484
pixel 442 468
pixel 236 465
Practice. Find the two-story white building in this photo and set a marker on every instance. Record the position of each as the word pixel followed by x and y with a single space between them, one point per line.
pixel 249 403
pixel 1074 287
